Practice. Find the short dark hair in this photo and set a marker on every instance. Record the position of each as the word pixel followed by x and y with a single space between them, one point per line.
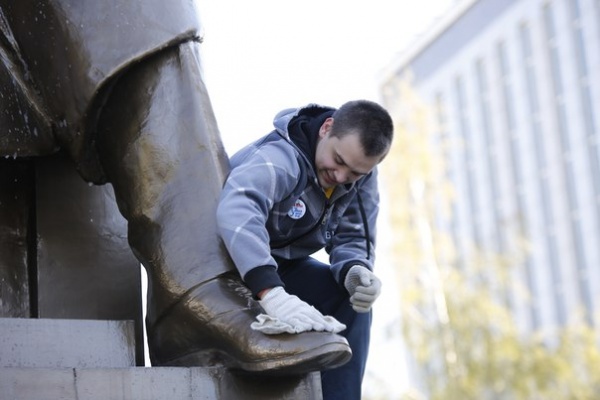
pixel 372 122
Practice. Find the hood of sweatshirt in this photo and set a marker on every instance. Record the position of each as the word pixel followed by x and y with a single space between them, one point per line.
pixel 302 126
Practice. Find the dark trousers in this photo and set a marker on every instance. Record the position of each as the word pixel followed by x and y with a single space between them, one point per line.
pixel 312 281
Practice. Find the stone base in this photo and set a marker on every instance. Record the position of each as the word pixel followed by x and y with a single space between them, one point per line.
pixel 89 359
pixel 156 383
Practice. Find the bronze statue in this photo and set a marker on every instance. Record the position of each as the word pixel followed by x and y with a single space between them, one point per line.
pixel 117 86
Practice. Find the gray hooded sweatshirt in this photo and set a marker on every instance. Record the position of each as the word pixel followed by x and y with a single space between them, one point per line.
pixel 272 207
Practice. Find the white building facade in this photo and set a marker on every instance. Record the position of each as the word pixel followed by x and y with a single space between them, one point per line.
pixel 515 85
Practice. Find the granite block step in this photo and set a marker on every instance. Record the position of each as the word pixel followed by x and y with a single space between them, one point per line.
pixel 60 343
pixel 156 383
pixel 94 360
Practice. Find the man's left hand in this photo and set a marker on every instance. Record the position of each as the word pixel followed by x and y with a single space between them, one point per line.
pixel 364 288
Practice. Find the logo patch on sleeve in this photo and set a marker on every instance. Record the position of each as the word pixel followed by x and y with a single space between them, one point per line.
pixel 298 210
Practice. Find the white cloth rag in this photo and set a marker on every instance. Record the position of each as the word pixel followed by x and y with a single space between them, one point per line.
pixel 273 326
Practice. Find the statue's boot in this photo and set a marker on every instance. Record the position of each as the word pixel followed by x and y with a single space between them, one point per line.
pixel 160 148
pixel 211 326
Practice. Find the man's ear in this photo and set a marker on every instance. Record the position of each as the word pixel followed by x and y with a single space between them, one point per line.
pixel 326 127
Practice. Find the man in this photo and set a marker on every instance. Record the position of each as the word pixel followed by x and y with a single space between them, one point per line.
pixel 311 184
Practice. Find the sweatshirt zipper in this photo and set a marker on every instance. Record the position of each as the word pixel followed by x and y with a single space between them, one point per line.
pixel 320 221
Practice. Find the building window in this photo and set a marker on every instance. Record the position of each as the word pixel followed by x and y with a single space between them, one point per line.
pixel 549 245
pixel 589 126
pixel 468 158
pixel 568 173
pixel 441 122
pixel 491 149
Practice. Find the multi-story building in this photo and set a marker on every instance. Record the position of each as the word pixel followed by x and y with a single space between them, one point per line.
pixel 515 89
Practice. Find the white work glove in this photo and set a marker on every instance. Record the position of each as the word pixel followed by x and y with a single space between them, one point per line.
pixel 364 288
pixel 290 314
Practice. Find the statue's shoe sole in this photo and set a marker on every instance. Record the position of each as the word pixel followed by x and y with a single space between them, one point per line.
pixel 326 356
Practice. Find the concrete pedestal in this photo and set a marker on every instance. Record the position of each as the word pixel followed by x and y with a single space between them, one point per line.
pixel 95 360
pixel 156 383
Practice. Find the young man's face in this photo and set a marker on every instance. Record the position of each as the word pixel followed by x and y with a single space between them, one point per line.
pixel 341 160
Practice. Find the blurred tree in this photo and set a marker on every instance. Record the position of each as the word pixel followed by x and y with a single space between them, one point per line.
pixel 458 327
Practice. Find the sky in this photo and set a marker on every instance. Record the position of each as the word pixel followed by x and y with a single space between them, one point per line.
pixel 260 57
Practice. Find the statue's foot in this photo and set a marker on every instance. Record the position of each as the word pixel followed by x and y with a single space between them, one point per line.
pixel 211 326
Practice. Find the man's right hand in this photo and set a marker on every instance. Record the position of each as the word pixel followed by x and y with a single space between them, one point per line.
pixel 301 316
